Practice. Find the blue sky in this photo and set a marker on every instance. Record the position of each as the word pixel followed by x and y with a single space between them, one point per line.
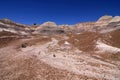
pixel 59 11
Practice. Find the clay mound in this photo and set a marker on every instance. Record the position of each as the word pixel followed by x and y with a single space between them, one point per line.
pixel 5 41
pixel 115 19
pixel 85 41
pixel 41 40
pixel 113 38
pixel 110 56
pixel 104 20
pixel 5 33
pixel 13 24
pixel 113 24
pixel 6 38
pixel 49 23
pixel 48 30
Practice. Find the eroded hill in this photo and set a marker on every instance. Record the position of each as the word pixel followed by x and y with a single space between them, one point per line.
pixel 84 51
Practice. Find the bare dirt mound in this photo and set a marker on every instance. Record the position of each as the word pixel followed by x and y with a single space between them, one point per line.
pixel 113 38
pixel 37 40
pixel 85 41
pixel 5 41
pixel 5 33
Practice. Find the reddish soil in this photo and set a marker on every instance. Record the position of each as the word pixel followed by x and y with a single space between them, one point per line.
pixel 4 33
pixel 5 41
pixel 113 38
pixel 30 68
pixel 86 41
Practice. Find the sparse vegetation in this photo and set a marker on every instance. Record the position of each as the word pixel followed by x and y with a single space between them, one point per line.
pixel 24 45
pixel 54 55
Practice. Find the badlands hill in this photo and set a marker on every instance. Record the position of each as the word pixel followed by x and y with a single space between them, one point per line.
pixel 84 51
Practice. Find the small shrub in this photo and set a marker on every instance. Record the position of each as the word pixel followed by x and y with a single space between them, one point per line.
pixel 24 45
pixel 54 55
